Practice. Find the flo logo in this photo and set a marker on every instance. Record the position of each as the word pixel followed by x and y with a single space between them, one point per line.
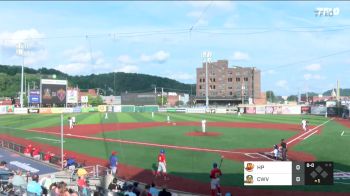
pixel 324 11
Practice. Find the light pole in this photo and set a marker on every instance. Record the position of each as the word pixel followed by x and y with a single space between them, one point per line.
pixel 207 57
pixel 20 51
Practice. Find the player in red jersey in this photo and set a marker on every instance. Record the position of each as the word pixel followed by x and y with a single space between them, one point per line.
pixel 215 173
pixel 28 151
pixel 162 165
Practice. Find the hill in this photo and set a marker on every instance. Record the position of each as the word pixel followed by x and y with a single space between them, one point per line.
pixel 343 92
pixel 109 83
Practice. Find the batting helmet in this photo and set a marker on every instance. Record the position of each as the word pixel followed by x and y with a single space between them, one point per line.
pixel 162 151
pixel 215 165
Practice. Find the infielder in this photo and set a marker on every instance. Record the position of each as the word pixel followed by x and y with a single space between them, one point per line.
pixel 152 114
pixel 203 125
pixel 215 173
pixel 106 115
pixel 304 124
pixel 162 165
pixel 73 121
pixel 168 119
pixel 70 121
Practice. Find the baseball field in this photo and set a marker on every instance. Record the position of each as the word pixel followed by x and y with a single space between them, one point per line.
pixel 138 137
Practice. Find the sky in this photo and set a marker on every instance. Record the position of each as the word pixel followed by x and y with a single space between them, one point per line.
pixel 295 50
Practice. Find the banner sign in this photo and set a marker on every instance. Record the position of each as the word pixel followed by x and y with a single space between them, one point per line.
pixel 34 111
pixel 318 110
pixel 305 109
pixel 45 111
pixel 102 108
pixel 250 110
pixel 77 110
pixel 260 110
pixel 72 96
pixel 53 91
pixel 195 110
pixel 21 111
pixel 34 96
pixel 3 109
pixel 291 110
pixel 117 108
pixel 84 99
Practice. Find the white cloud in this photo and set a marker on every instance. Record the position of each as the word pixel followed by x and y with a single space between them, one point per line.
pixel 240 56
pixel 271 71
pixel 195 14
pixel 313 76
pixel 81 62
pixel 158 57
pixel 282 84
pixel 127 69
pixel 35 53
pixel 125 60
pixel 313 67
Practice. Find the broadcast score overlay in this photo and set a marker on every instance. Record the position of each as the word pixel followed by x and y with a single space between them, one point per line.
pixel 287 173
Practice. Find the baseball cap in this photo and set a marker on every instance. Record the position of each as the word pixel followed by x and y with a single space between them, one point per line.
pixel 114 152
pixel 162 151
pixel 215 165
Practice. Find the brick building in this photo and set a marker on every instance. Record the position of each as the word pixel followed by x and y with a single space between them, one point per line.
pixel 228 84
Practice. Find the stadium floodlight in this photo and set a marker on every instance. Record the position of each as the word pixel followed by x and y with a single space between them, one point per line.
pixel 20 51
pixel 207 58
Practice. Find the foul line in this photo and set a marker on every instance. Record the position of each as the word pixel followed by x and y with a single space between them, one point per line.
pixel 44 138
pixel 310 135
pixel 307 132
pixel 342 133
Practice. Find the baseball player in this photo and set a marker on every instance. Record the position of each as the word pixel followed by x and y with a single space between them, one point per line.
pixel 152 114
pixel 106 115
pixel 203 125
pixel 304 124
pixel 162 165
pixel 168 119
pixel 215 173
pixel 73 120
pixel 70 121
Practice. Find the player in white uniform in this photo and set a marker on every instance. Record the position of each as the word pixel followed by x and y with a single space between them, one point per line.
pixel 152 114
pixel 304 124
pixel 70 121
pixel 106 115
pixel 203 125
pixel 73 121
pixel 168 119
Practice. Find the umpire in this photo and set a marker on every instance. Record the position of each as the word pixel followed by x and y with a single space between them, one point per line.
pixel 284 150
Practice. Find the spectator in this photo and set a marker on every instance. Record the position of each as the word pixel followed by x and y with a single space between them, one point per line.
pixel 82 186
pixel 146 192
pixel 3 166
pixel 136 189
pixel 45 182
pixel 48 156
pixel 53 189
pixel 62 189
pixel 34 187
pixel 113 186
pixel 36 153
pixel 129 190
pixel 113 162
pixel 164 192
pixel 153 190
pixel 19 182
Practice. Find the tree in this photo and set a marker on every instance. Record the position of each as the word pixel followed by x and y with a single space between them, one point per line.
pixel 95 101
pixel 270 96
pixel 292 98
pixel 159 100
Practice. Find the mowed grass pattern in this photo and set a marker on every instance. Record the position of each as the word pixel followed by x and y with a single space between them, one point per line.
pixel 327 146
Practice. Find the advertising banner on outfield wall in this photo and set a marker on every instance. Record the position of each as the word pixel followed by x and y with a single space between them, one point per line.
pixel 117 108
pixel 72 96
pixel 84 99
pixel 57 110
pixel 33 110
pixel 102 108
pixel 21 111
pixel 195 110
pixel 3 109
pixel 45 111
pixel 250 110
pixel 53 91
pixel 305 109
pixel 273 110
pixel 109 108
pixel 76 109
pixel 260 110
pixel 291 110
pixel 318 110
pixel 221 110
pixel 34 96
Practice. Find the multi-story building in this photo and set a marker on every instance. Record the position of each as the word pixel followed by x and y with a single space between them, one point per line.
pixel 228 84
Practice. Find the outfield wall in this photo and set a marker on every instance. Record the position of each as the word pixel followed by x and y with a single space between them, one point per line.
pixel 247 109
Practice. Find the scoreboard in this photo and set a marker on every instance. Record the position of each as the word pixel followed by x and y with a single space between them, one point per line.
pixel 287 173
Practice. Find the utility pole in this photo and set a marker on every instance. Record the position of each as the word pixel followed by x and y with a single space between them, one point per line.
pixel 207 57
pixel 162 96
pixel 253 84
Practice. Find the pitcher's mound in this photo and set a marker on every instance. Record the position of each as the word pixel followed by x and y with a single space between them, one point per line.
pixel 199 133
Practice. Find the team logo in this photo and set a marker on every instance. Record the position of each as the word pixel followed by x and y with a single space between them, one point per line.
pixel 61 94
pixel 47 93
pixel 249 179
pixel 249 167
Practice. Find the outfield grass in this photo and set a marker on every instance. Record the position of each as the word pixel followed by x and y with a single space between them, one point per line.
pixel 327 146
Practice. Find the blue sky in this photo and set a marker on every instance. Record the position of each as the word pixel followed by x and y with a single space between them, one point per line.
pixel 285 40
